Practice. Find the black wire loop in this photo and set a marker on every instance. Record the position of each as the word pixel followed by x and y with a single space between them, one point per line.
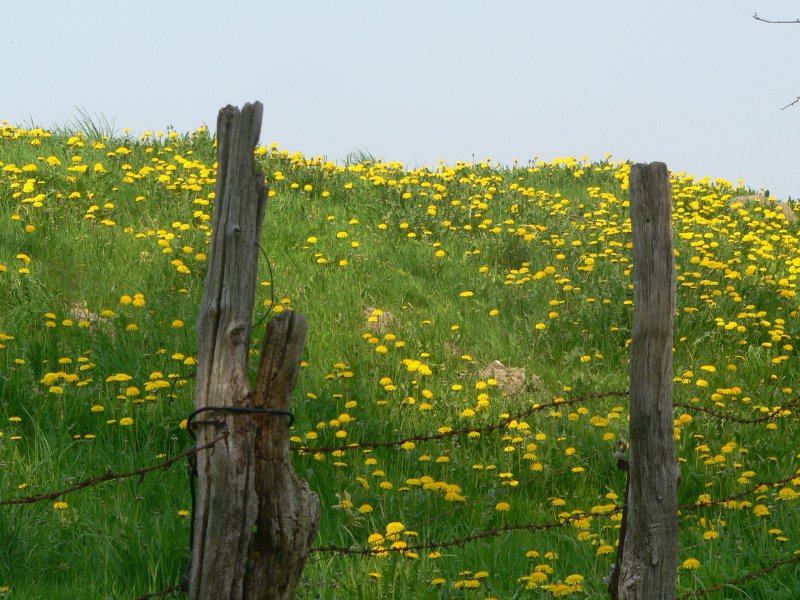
pixel 236 409
pixel 192 459
pixel 271 288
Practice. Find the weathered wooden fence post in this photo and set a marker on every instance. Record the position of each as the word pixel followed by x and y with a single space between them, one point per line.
pixel 254 521
pixel 649 565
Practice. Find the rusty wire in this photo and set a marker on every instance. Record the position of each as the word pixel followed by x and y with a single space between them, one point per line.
pixel 342 550
pixel 169 592
pixel 751 490
pixel 749 577
pixel 94 481
pixel 464 431
pixel 431 545
pixel 769 416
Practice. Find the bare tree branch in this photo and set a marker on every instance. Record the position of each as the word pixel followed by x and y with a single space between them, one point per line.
pixel 757 18
pixel 795 22
pixel 796 100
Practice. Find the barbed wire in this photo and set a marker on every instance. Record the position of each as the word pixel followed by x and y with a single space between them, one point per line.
pixel 173 591
pixel 377 551
pixel 464 431
pixel 769 416
pixel 738 530
pixel 431 545
pixel 415 438
pixel 751 490
pixel 749 577
pixel 110 476
pixel 182 588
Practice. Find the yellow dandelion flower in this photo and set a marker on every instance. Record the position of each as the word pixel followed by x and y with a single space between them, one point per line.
pixel 690 563
pixel 760 510
pixel 604 549
pixel 394 527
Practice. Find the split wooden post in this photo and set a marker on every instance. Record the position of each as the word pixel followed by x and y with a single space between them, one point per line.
pixel 254 521
pixel 650 561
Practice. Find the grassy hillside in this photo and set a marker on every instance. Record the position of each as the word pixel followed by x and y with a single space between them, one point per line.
pixel 413 283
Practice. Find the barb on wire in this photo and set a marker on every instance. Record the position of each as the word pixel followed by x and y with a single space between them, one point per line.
pixel 749 577
pixel 173 591
pixel 771 415
pixel 94 481
pixel 378 551
pixel 793 102
pixel 751 490
pixel 465 431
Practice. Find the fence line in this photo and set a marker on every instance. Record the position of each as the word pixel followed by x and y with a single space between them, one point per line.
pixel 379 550
pixel 167 464
pixel 94 481
pixel 771 415
pixel 749 577
pixel 349 550
pixel 751 490
pixel 759 523
pixel 172 591
pixel 141 473
pixel 465 431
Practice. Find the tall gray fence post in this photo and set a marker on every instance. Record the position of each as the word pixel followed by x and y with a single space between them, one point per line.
pixel 650 560
pixel 254 521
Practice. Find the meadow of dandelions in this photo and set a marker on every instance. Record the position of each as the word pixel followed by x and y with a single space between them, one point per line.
pixel 414 283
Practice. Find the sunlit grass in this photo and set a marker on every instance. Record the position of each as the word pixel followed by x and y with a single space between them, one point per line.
pixel 414 282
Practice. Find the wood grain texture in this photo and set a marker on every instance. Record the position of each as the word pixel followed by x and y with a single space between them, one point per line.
pixel 232 489
pixel 289 512
pixel 649 565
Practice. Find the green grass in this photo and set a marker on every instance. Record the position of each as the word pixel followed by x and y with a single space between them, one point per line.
pixel 544 250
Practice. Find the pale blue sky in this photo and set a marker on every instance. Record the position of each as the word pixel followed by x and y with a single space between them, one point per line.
pixel 697 84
